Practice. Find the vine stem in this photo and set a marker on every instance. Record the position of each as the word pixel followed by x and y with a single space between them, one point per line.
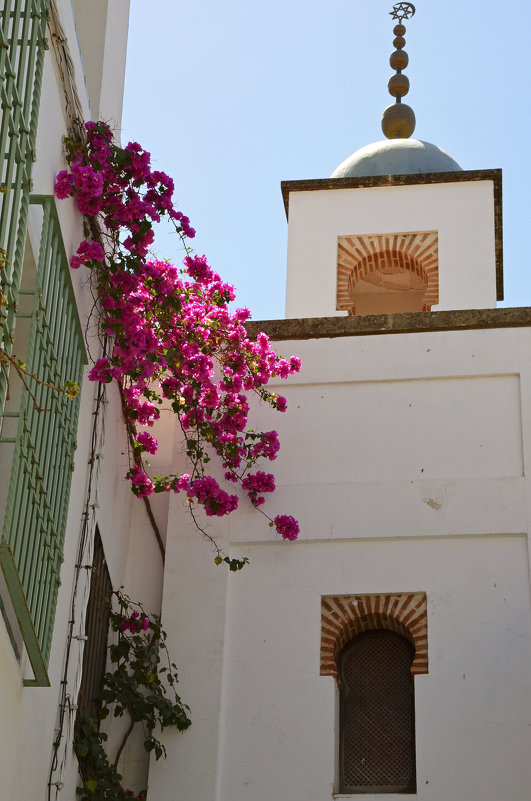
pixel 23 373
pixel 203 532
pixel 131 432
pixel 125 739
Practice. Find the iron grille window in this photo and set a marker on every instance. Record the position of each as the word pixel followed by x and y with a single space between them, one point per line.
pixel 41 446
pixel 96 632
pixel 377 714
pixel 22 37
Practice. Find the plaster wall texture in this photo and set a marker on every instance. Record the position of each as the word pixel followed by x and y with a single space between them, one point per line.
pixel 470 708
pixel 194 615
pixel 101 28
pixel 461 213
pixel 113 73
pixel 29 715
pixel 405 458
pixel 90 29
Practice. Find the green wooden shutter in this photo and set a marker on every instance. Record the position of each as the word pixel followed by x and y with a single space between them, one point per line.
pixel 33 533
pixel 22 41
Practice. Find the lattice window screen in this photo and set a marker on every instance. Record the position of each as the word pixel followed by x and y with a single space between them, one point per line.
pixel 377 726
pixel 96 631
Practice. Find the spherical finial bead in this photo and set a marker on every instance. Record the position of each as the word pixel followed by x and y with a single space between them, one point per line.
pixel 399 60
pixel 398 121
pixel 399 42
pixel 399 30
pixel 398 85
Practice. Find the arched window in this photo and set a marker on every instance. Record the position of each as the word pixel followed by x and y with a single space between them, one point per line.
pixel 387 273
pixel 377 714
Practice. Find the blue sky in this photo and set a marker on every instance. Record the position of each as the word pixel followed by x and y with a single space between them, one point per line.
pixel 232 97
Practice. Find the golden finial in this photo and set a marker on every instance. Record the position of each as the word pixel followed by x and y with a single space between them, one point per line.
pixel 398 120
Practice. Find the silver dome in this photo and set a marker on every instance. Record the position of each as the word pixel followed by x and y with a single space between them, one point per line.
pixel 396 157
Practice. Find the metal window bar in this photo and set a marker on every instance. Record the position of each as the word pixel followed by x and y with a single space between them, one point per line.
pixel 96 632
pixel 31 547
pixel 22 42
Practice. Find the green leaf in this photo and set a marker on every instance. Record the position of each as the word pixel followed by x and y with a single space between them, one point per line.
pixel 82 749
pixel 91 785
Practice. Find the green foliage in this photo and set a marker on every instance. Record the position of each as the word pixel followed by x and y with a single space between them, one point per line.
pixel 234 564
pixel 142 684
pixel 101 780
pixel 71 389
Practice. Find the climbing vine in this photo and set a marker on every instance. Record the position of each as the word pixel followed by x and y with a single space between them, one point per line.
pixel 175 341
pixel 142 685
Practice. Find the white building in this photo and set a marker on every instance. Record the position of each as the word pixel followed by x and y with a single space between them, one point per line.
pixel 405 455
pixel 61 63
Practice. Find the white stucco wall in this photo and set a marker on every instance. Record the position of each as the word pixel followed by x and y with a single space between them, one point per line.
pixel 101 28
pixel 406 460
pixel 29 715
pixel 462 213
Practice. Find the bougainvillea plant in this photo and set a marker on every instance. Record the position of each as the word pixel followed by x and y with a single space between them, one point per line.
pixel 175 340
pixel 141 683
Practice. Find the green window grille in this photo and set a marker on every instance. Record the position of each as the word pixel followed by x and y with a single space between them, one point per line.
pixel 33 532
pixel 22 42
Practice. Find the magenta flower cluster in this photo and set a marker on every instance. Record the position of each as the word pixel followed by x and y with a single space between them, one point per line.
pixel 256 483
pixel 134 796
pixel 147 442
pixel 175 340
pixel 287 527
pixel 135 623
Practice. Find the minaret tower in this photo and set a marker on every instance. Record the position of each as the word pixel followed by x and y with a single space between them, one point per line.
pixel 399 227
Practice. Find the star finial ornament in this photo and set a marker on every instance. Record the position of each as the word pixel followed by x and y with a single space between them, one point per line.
pixel 402 11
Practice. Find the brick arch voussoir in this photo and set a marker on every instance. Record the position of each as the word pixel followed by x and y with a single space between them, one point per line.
pixel 344 617
pixel 353 268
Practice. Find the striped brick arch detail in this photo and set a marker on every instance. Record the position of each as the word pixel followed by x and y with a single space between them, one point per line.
pixel 358 256
pixel 344 616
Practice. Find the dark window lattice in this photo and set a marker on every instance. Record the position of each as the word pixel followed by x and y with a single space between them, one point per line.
pixel 96 631
pixel 377 719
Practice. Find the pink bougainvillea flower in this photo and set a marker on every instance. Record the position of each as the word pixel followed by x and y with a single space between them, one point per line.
pixel 64 185
pixel 147 441
pixel 176 341
pixel 287 527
